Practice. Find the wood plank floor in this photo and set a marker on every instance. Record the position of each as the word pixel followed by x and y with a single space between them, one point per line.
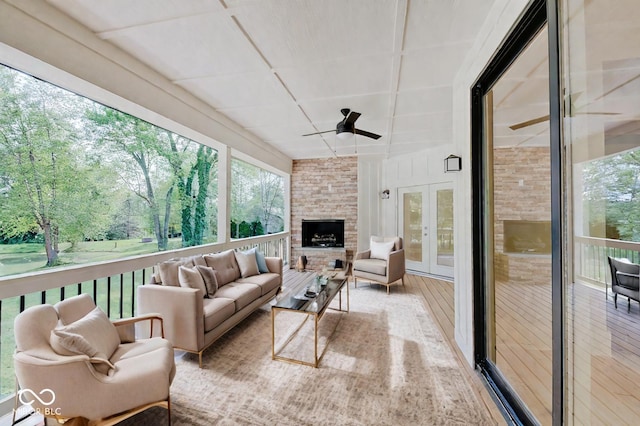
pixel 603 352
pixel 438 299
pixel 603 357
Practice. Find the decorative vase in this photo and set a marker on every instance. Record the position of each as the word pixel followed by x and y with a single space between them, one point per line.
pixel 301 265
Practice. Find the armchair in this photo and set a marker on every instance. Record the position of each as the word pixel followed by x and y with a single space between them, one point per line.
pixel 625 279
pixel 383 263
pixel 88 366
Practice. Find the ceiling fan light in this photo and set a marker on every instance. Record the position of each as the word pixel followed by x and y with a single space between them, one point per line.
pixel 344 135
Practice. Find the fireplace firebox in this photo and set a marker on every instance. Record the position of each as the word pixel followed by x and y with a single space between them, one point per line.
pixel 527 237
pixel 322 232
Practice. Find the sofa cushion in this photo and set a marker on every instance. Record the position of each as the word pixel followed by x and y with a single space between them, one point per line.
pixel 381 250
pixel 168 271
pixel 247 263
pixel 267 281
pixel 216 310
pixel 225 265
pixel 262 263
pixel 93 335
pixel 198 259
pixel 210 281
pixel 373 266
pixel 241 293
pixel 191 278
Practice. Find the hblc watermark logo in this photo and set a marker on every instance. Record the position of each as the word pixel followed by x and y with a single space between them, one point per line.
pixel 45 397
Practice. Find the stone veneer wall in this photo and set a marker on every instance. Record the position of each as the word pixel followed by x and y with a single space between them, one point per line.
pixel 513 200
pixel 324 188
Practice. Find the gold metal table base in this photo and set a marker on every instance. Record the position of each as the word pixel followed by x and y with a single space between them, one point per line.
pixel 316 319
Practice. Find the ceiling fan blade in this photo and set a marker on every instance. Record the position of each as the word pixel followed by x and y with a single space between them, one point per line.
pixel 367 134
pixel 351 118
pixel 319 133
pixel 529 122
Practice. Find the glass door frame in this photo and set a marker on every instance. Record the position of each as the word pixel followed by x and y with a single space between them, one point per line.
pixel 538 13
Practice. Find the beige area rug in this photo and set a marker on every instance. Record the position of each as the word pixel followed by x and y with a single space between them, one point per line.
pixel 386 364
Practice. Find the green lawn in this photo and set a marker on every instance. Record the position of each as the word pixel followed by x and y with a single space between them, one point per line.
pixel 28 257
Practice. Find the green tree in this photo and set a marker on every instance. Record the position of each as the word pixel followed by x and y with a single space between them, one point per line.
pixel 123 138
pixel 611 196
pixel 256 196
pixel 193 180
pixel 49 187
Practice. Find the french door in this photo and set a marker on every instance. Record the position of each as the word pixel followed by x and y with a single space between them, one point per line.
pixel 426 225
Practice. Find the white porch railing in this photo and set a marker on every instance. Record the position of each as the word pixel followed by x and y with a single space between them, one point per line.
pixel 112 285
pixel 591 257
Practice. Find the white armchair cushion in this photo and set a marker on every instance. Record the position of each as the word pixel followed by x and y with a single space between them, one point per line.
pixel 93 335
pixel 381 250
pixel 191 278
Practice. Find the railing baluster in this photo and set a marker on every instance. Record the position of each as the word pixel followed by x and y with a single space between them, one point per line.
pixel 61 293
pixel 109 296
pixel 133 292
pixel 22 299
pixel 95 291
pixel 121 295
pixel 43 297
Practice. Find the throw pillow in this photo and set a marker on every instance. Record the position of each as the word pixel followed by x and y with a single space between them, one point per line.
pixel 168 271
pixel 380 250
pixel 225 265
pixel 191 278
pixel 247 264
pixel 210 280
pixel 262 263
pixel 93 335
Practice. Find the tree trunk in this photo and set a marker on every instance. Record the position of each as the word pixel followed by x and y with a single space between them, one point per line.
pixel 167 217
pixel 52 255
pixel 204 177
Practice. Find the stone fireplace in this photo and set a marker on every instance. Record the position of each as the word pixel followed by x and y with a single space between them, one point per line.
pixel 323 191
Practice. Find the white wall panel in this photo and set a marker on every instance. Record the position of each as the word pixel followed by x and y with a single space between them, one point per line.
pixel 502 17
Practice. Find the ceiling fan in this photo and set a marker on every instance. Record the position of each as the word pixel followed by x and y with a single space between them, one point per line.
pixel 572 111
pixel 346 126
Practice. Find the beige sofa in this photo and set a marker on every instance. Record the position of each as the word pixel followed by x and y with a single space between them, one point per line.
pixel 195 314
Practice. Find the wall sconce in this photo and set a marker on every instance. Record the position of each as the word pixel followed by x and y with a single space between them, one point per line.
pixel 384 194
pixel 452 163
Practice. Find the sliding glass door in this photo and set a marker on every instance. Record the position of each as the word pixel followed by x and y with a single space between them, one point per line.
pixel 602 136
pixel 513 222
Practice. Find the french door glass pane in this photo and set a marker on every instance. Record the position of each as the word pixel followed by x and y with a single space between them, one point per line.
pixel 412 202
pixel 444 199
pixel 602 137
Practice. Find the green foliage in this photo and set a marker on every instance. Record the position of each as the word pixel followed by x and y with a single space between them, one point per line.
pixel 611 196
pixel 257 196
pixel 50 187
pixel 76 171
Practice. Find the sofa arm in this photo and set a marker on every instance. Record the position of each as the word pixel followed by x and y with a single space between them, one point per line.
pixel 181 310
pixel 274 264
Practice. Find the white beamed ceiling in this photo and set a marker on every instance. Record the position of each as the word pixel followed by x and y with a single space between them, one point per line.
pixel 282 68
